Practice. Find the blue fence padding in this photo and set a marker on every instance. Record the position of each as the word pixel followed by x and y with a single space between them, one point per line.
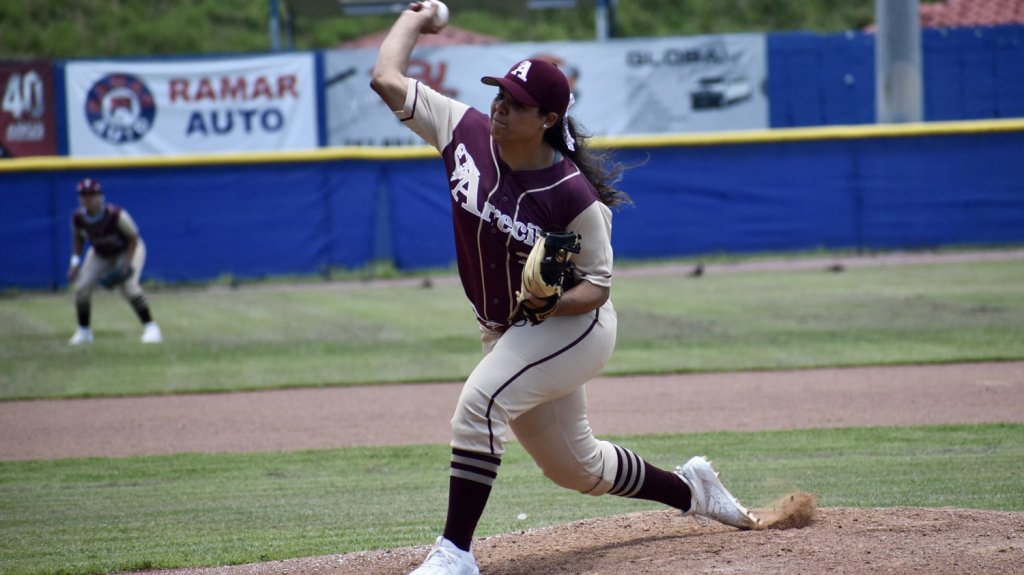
pixel 28 245
pixel 829 79
pixel 301 217
pixel 821 79
pixel 737 198
pixel 960 73
pixel 875 193
pixel 200 222
pixel 944 190
pixel 1009 52
pixel 348 190
pixel 420 203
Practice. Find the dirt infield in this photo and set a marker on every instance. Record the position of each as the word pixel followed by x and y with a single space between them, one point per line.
pixel 418 414
pixel 841 540
pixel 836 540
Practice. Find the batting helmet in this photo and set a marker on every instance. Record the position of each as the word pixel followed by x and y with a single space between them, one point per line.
pixel 89 186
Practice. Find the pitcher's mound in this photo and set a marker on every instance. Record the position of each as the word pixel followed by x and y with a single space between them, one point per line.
pixel 834 540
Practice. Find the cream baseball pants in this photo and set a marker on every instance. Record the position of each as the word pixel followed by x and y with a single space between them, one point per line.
pixel 95 265
pixel 531 382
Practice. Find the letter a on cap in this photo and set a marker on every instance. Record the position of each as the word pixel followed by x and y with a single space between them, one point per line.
pixel 522 70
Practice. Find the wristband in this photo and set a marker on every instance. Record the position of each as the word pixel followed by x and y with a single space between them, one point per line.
pixel 75 261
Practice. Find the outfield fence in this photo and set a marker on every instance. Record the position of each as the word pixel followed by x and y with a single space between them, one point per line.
pixel 267 214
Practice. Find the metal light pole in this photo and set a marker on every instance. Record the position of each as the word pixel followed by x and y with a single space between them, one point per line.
pixel 275 27
pixel 898 79
pixel 604 18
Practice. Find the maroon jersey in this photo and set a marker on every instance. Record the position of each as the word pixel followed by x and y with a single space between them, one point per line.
pixel 104 232
pixel 498 223
pixel 498 213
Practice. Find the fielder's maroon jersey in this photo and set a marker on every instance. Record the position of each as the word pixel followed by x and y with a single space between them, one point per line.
pixel 108 233
pixel 498 213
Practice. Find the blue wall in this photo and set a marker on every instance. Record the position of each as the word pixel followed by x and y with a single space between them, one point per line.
pixel 923 189
pixel 200 222
pixel 968 74
pixel 865 193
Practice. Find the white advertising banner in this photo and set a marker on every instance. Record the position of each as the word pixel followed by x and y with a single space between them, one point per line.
pixel 138 108
pixel 621 87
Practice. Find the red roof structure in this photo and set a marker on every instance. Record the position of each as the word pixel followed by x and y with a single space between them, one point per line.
pixel 965 13
pixel 450 36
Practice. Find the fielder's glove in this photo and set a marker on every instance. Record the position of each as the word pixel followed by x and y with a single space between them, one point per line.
pixel 115 277
pixel 547 267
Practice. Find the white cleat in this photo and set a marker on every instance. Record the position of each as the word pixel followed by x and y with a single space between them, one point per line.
pixel 710 498
pixel 83 336
pixel 447 559
pixel 152 333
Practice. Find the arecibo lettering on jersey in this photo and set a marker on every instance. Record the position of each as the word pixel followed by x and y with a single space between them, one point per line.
pixel 498 212
pixel 465 188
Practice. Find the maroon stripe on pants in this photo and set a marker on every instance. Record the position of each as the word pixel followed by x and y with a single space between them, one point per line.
pixel 574 343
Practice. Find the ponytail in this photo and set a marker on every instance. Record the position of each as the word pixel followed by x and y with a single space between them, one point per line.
pixel 598 167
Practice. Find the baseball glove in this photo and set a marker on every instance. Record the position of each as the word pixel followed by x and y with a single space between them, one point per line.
pixel 115 277
pixel 547 268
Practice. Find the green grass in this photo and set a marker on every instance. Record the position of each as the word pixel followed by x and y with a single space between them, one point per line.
pixel 100 515
pixel 920 314
pixel 273 336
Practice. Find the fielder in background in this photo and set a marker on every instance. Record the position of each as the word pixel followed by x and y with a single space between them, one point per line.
pixel 115 259
pixel 519 177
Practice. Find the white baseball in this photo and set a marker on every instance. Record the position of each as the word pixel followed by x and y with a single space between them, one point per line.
pixel 441 15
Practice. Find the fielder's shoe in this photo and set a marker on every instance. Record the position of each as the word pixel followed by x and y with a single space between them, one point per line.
pixel 152 333
pixel 710 498
pixel 447 559
pixel 83 336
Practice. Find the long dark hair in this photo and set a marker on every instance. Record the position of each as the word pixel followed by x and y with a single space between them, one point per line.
pixel 598 167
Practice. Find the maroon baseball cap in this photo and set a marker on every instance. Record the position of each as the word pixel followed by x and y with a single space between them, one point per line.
pixel 535 82
pixel 89 186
